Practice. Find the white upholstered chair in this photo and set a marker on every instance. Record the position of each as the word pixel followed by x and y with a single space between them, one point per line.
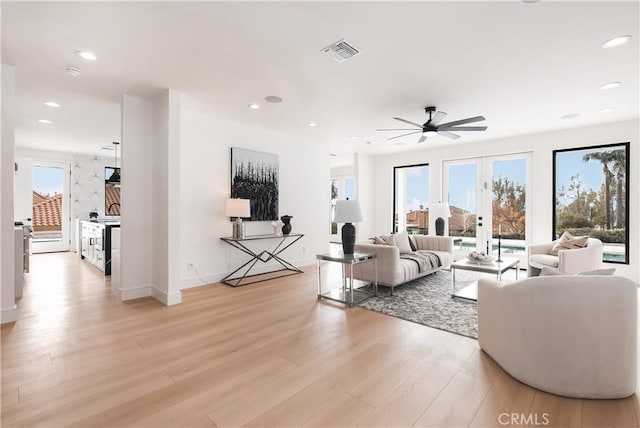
pixel 568 261
pixel 574 336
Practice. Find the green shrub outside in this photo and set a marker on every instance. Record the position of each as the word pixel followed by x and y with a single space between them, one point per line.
pixel 613 236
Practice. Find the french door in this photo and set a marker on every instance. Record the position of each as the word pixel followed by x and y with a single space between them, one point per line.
pixel 50 207
pixel 489 204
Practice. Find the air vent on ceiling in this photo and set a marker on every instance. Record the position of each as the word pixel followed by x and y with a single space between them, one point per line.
pixel 341 51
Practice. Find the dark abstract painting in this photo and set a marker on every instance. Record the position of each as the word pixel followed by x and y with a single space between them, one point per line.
pixel 254 176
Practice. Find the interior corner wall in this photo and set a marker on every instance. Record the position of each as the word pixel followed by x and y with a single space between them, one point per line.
pixel 205 184
pixel 136 198
pixel 165 164
pixel 365 193
pixel 541 146
pixel 8 312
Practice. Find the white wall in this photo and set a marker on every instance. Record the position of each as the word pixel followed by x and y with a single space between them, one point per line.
pixel 7 256
pixel 364 174
pixel 541 145
pixel 205 159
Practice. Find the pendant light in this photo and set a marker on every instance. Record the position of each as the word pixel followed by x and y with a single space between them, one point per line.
pixel 115 177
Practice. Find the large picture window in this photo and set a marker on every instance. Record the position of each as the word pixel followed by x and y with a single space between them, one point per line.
pixel 591 196
pixel 411 198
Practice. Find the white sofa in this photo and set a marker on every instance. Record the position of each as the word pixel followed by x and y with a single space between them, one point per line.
pixel 574 336
pixel 568 261
pixel 392 270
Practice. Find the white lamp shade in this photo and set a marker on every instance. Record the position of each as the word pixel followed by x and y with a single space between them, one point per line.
pixel 347 211
pixel 238 208
pixel 441 209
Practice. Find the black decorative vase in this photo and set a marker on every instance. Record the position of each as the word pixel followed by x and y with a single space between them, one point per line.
pixel 286 227
pixel 348 238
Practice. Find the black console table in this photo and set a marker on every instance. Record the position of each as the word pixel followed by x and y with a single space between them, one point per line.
pixel 282 242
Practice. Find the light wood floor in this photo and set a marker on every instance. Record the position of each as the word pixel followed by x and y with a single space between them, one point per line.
pixel 264 355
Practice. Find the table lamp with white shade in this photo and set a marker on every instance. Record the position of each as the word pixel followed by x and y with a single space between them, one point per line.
pixel 348 212
pixel 440 212
pixel 238 208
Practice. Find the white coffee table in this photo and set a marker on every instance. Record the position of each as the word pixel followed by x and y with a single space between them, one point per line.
pixel 470 292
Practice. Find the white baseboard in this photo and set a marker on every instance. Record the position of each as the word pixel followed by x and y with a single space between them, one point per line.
pixel 167 299
pixel 134 293
pixel 304 264
pixel 9 315
pixel 201 280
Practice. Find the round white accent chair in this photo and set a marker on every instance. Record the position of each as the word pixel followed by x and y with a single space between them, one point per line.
pixel 575 336
pixel 568 261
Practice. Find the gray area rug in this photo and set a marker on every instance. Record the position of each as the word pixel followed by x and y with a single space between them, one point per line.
pixel 428 301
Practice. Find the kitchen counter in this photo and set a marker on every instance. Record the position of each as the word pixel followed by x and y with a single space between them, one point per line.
pixel 106 222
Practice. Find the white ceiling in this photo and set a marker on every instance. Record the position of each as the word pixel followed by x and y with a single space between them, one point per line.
pixel 521 65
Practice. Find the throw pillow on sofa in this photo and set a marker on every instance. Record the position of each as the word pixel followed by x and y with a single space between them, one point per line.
pixel 412 243
pixel 402 242
pixel 568 242
pixel 384 240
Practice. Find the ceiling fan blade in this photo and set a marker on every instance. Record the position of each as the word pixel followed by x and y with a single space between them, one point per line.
pixel 448 134
pixel 421 140
pixel 438 118
pixel 396 129
pixel 463 121
pixel 404 135
pixel 408 121
pixel 463 128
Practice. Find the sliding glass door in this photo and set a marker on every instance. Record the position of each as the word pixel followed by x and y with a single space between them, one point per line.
pixel 488 200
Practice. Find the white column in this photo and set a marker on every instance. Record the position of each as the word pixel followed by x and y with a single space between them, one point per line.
pixel 8 311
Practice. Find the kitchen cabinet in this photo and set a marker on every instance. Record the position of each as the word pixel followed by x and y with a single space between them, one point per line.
pixel 95 244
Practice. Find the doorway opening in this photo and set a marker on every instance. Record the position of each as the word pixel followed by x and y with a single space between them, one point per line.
pixel 50 207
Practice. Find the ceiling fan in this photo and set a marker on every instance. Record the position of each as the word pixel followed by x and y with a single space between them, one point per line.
pixel 433 125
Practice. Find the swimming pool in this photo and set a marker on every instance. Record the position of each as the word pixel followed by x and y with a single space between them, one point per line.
pixel 468 244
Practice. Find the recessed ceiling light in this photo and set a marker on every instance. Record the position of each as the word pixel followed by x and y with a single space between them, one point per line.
pixel 85 54
pixel 607 110
pixel 353 137
pixel 312 124
pixel 45 121
pixel 254 106
pixel 368 142
pixel 616 42
pixel 51 104
pixel 273 99
pixel 610 85
pixel 74 71
pixel 570 116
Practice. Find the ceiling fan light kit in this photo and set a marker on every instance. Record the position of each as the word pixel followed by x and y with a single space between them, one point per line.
pixel 433 125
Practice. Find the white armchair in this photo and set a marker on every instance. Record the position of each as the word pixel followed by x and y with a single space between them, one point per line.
pixel 574 336
pixel 568 261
